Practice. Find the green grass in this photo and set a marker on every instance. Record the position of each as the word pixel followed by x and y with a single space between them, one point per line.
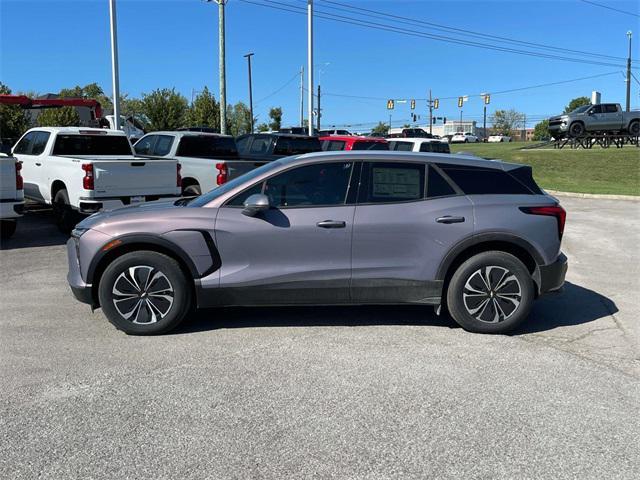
pixel 608 171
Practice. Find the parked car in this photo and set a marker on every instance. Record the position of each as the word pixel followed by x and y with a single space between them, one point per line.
pixel 418 145
pixel 84 170
pixel 272 146
pixel 464 138
pixel 408 133
pixel 605 117
pixel 326 133
pixel 208 160
pixel 295 130
pixel 131 127
pixel 498 138
pixel 477 237
pixel 352 142
pixel 11 194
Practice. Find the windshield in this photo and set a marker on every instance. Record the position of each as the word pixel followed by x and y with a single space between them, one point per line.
pixel 581 109
pixel 202 200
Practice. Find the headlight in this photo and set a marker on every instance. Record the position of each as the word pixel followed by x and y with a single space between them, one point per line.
pixel 78 232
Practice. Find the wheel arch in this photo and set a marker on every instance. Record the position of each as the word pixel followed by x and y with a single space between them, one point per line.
pixel 56 186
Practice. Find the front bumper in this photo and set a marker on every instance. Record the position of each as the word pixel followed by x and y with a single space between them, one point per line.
pixel 81 290
pixel 551 277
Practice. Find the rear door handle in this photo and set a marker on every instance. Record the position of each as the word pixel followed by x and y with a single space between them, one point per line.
pixel 331 224
pixel 38 164
pixel 450 219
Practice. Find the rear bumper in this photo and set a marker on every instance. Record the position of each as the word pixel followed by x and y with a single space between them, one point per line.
pixel 551 277
pixel 93 205
pixel 81 290
pixel 11 208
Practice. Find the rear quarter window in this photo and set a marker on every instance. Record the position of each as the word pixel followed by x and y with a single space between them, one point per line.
pixel 206 146
pixel 485 181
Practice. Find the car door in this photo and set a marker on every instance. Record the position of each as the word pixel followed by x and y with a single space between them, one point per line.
pixel 407 218
pixel 298 251
pixel 30 151
pixel 613 116
pixel 597 119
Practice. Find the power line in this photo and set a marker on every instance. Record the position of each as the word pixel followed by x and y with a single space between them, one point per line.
pixel 414 33
pixel 446 28
pixel 279 89
pixel 611 8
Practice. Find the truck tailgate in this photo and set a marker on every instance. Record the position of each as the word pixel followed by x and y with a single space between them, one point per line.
pixel 8 178
pixel 119 178
pixel 240 167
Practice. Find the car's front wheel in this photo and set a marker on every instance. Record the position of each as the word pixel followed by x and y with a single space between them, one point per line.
pixel 144 293
pixel 491 292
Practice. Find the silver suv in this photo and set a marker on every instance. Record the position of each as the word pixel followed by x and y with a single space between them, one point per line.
pixel 476 237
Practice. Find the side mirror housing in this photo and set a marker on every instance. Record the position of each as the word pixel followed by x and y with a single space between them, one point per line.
pixel 255 204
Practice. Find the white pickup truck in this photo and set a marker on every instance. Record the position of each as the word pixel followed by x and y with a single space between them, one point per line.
pixel 208 160
pixel 11 195
pixel 84 170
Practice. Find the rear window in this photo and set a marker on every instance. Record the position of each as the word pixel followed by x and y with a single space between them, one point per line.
pixel 485 181
pixel 91 145
pixel 207 146
pixel 296 146
pixel 332 145
pixel 367 145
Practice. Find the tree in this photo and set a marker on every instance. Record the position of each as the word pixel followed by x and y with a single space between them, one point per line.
pixel 205 111
pixel 380 129
pixel 59 117
pixel 165 109
pixel 541 131
pixel 91 91
pixel 505 121
pixel 263 127
pixel 575 103
pixel 239 119
pixel 14 121
pixel 275 114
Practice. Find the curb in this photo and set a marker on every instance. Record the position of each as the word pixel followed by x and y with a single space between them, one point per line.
pixel 629 198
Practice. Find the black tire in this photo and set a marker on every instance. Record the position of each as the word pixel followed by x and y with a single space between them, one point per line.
pixel 505 308
pixel 66 218
pixel 576 129
pixel 134 310
pixel 634 128
pixel 191 191
pixel 7 228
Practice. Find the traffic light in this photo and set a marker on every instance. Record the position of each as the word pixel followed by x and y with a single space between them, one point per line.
pixel 436 103
pixel 460 101
pixel 390 104
pixel 434 120
pixel 487 99
pixel 444 120
pixel 415 117
pixel 413 104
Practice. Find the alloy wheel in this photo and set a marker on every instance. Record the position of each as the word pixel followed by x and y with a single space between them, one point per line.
pixel 142 294
pixel 492 294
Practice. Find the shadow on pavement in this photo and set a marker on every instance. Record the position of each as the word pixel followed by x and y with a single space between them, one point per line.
pixel 573 306
pixel 36 228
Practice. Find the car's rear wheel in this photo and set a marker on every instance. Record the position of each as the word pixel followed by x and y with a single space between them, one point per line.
pixel 144 293
pixel 66 217
pixel 192 191
pixel 7 228
pixel 491 292
pixel 634 128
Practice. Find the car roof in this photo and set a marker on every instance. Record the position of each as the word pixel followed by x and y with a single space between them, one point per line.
pixel 353 138
pixel 415 140
pixel 79 130
pixel 395 156
pixel 278 134
pixel 188 133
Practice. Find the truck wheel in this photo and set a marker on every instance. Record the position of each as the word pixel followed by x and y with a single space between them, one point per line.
pixel 7 228
pixel 576 129
pixel 634 128
pixel 144 293
pixel 491 292
pixel 65 217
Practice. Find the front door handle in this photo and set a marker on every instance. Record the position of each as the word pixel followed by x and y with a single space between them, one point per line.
pixel 450 219
pixel 38 164
pixel 331 224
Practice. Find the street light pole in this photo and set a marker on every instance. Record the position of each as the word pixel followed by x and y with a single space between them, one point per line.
pixel 302 96
pixel 222 65
pixel 461 129
pixel 310 63
pixel 248 57
pixel 629 33
pixel 115 74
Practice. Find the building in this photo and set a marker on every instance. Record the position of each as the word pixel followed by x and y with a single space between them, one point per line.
pixel 453 126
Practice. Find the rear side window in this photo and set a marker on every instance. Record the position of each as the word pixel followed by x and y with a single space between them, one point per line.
pixel 296 146
pixel 332 145
pixel 24 145
pixel 484 181
pixel 91 145
pixel 207 146
pixel 437 186
pixel 367 145
pixel 610 108
pixel 401 146
pixel 163 145
pixel 391 182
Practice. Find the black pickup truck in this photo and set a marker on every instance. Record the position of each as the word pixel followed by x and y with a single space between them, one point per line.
pixel 272 146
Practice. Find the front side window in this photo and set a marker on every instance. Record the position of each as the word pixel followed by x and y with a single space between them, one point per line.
pixel 596 109
pixel 40 143
pixel 426 147
pixel 242 143
pixel 311 185
pixel 401 146
pixel 260 145
pixel 145 145
pixel 391 182
pixel 24 145
pixel 163 145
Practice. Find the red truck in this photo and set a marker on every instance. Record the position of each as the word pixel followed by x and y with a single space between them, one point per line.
pixel 352 142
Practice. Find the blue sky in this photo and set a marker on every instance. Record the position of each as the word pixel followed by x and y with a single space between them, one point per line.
pixel 48 45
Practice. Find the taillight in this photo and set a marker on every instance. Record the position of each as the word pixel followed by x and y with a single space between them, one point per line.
pixel 551 211
pixel 87 181
pixel 178 175
pixel 223 174
pixel 19 181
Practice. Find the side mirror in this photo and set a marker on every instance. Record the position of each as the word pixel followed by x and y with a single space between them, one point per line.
pixel 254 204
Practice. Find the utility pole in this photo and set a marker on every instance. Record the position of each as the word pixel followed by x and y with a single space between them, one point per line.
pixel 524 128
pixel 115 74
pixel 302 96
pixel 629 33
pixel 248 57
pixel 222 65
pixel 461 129
pixel 484 122
pixel 310 62
pixel 430 114
pixel 319 114
pixel 389 121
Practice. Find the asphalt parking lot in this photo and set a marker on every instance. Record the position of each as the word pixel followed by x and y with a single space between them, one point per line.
pixel 374 393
